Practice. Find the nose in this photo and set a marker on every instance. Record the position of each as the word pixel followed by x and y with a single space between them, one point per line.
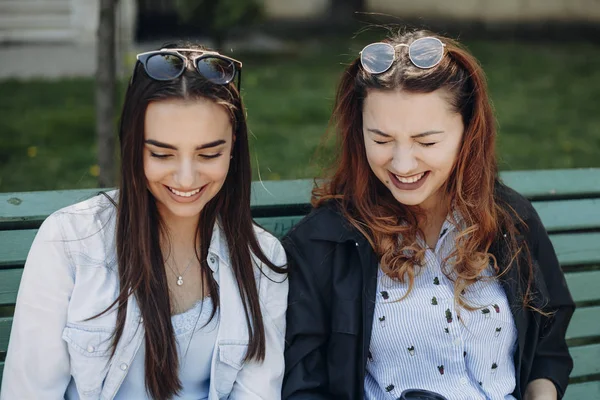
pixel 404 161
pixel 185 174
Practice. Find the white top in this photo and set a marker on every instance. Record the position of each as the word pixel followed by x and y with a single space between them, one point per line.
pixel 421 343
pixel 196 337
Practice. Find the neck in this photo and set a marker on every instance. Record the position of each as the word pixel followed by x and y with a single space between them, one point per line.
pixel 433 214
pixel 182 231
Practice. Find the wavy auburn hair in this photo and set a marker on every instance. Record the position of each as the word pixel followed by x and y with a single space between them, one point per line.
pixel 470 187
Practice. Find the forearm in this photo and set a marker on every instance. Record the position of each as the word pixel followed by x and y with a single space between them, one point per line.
pixel 541 389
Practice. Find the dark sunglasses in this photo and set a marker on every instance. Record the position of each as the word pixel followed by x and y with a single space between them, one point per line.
pixel 169 64
pixel 424 53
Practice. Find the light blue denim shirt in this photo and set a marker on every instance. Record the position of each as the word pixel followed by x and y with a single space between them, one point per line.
pixel 71 275
pixel 425 341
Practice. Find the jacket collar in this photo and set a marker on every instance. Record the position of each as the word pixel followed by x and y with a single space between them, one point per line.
pixel 218 247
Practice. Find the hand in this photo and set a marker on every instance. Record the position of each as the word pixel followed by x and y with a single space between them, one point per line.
pixel 541 389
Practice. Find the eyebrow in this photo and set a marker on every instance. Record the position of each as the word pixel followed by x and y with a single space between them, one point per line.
pixel 170 146
pixel 416 136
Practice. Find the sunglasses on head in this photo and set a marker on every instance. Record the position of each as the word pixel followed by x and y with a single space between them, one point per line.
pixel 424 53
pixel 169 64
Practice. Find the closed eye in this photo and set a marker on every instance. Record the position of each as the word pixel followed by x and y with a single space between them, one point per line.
pixel 156 155
pixel 427 144
pixel 380 142
pixel 210 156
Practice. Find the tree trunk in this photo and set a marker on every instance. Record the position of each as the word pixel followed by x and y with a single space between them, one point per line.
pixel 106 91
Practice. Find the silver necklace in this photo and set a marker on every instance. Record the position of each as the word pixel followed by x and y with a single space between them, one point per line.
pixel 179 275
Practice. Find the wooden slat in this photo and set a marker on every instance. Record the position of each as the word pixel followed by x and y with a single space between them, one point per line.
pixel 583 391
pixel 585 323
pixel 278 226
pixel 577 248
pixel 34 207
pixel 585 360
pixel 14 246
pixel 572 249
pixel 569 215
pixel 554 183
pixel 9 285
pixel 5 324
pixel 584 285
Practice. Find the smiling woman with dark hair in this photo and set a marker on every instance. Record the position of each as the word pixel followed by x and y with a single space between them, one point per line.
pixel 164 288
pixel 418 268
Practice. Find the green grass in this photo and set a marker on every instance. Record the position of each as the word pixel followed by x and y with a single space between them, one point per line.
pixel 544 96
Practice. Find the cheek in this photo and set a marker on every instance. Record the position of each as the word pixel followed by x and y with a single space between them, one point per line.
pixel 218 170
pixel 153 170
pixel 377 155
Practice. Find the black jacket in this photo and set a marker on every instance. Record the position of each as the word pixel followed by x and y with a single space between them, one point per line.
pixel 333 279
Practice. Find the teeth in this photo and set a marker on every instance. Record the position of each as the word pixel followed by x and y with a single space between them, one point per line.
pixel 184 194
pixel 411 179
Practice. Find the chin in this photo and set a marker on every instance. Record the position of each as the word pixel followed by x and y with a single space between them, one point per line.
pixel 181 211
pixel 409 200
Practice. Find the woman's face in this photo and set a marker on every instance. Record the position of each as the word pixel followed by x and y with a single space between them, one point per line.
pixel 411 141
pixel 188 144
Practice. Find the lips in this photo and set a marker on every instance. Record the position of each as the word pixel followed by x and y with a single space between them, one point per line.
pixel 410 179
pixel 411 182
pixel 184 194
pixel 188 196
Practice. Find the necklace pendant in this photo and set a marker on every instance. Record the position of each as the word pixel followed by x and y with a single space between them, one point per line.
pixel 179 280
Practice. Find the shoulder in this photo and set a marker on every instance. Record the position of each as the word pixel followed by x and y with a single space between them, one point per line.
pixel 273 250
pixel 85 229
pixel 525 216
pixel 518 206
pixel 80 218
pixel 269 244
pixel 325 222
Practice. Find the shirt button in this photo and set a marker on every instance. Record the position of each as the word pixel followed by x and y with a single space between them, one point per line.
pixel 90 349
pixel 463 381
pixel 123 367
pixel 212 260
pixel 457 341
pixel 356 243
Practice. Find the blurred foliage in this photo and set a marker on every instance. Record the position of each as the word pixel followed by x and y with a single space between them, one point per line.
pixel 218 17
pixel 545 96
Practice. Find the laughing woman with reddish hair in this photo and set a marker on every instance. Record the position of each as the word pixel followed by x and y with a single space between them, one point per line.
pixel 418 268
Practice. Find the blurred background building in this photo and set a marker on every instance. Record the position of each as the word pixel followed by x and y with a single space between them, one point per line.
pixel 76 21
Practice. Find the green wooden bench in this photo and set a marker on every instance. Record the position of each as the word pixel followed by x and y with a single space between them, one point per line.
pixel 568 202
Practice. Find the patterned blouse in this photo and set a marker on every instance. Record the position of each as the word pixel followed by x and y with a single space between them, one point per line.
pixel 422 342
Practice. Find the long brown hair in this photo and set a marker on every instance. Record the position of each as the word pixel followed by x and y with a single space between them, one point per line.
pixel 472 183
pixel 139 228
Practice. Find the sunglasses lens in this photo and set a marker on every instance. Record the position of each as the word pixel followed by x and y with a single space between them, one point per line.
pixel 377 58
pixel 216 70
pixel 426 52
pixel 164 67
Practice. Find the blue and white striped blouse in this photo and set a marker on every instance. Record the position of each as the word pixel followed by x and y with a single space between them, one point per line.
pixel 421 342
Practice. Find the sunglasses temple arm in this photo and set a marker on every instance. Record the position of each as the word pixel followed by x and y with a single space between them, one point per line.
pixel 239 80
